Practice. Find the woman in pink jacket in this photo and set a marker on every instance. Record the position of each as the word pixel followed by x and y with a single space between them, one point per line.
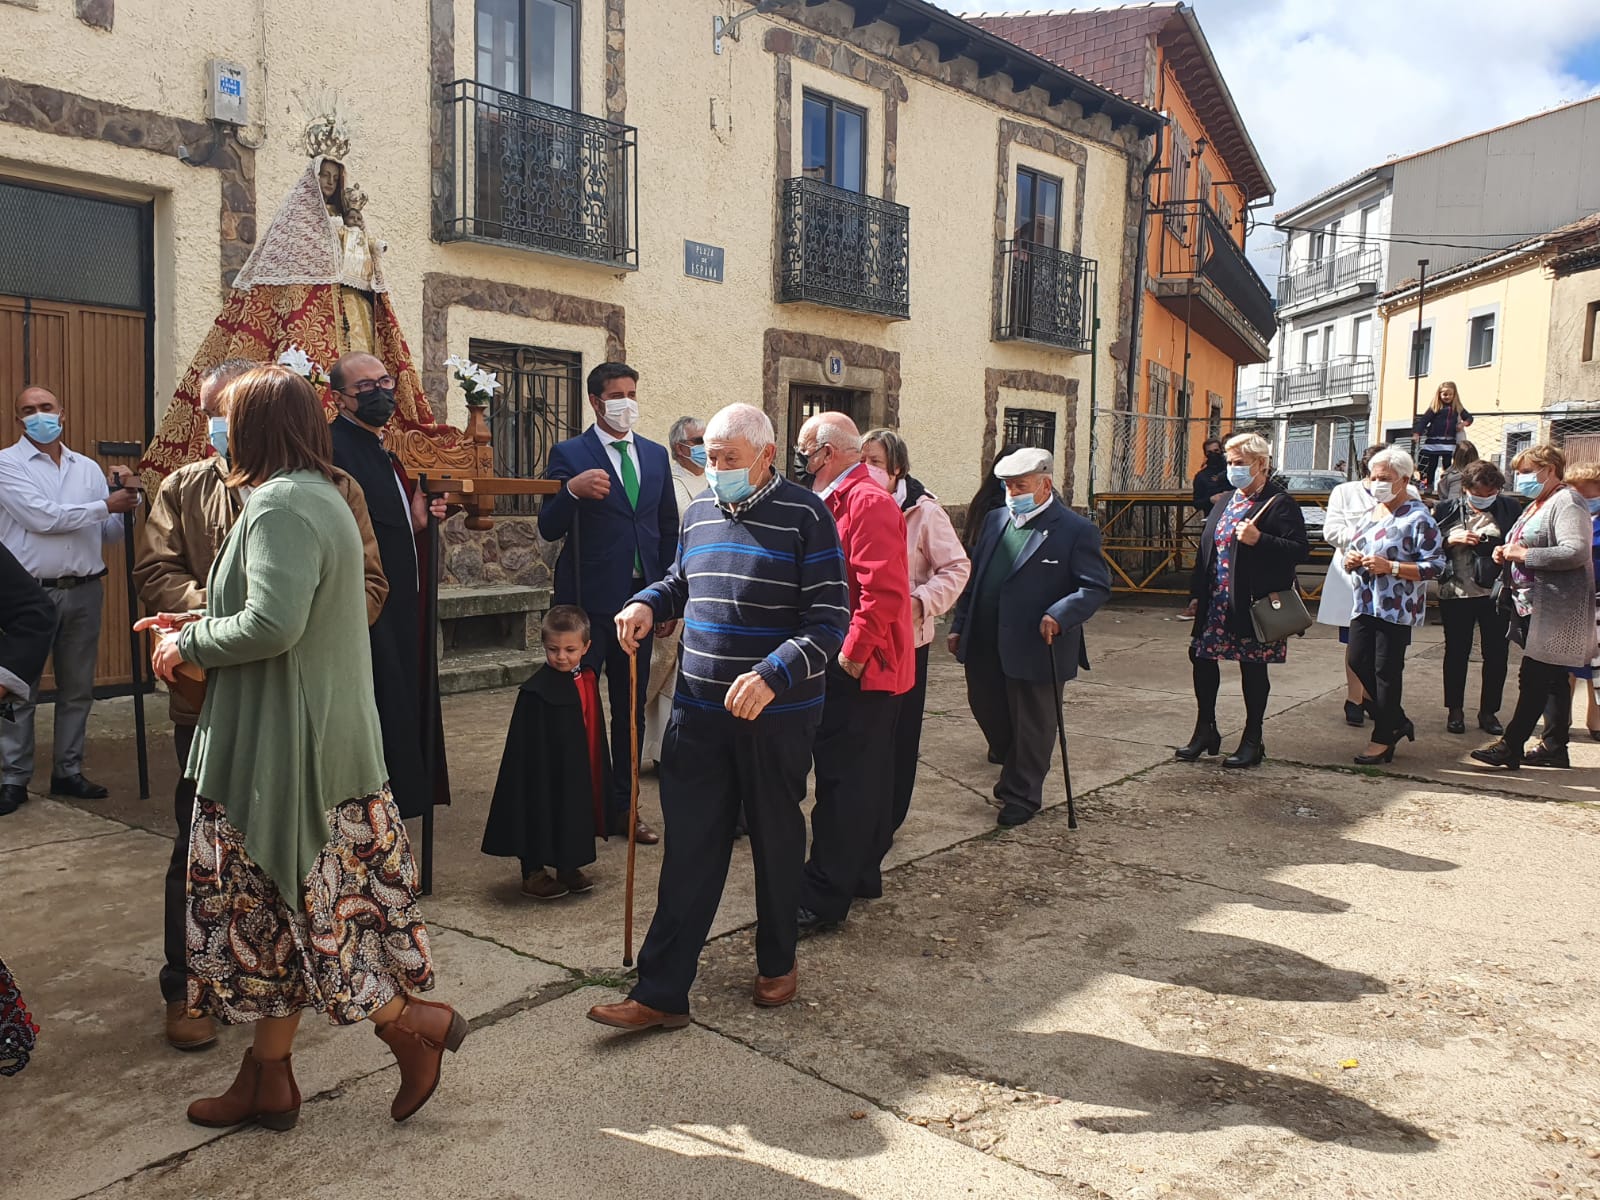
pixel 939 570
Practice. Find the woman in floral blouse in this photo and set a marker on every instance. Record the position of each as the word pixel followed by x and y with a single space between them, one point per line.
pixel 1391 558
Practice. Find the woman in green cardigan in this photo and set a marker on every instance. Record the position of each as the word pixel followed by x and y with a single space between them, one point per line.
pixel 301 890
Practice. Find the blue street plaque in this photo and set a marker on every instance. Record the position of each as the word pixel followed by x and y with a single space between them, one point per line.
pixel 701 261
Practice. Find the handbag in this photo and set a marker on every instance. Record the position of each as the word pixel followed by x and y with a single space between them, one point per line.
pixel 1278 615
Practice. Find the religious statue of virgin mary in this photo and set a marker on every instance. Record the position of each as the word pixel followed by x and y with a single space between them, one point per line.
pixel 314 280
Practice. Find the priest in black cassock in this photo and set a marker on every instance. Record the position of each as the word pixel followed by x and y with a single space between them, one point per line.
pixel 364 391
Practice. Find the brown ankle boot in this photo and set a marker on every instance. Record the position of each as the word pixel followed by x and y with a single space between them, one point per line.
pixel 264 1092
pixel 419 1036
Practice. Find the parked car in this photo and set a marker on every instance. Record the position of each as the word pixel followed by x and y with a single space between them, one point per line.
pixel 1312 483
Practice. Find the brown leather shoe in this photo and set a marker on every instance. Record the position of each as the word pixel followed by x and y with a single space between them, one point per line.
pixel 575 881
pixel 263 1092
pixel 775 993
pixel 544 886
pixel 189 1033
pixel 644 835
pixel 634 1017
pixel 419 1036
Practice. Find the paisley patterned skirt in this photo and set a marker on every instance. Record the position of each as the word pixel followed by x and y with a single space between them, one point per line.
pixel 17 1029
pixel 355 942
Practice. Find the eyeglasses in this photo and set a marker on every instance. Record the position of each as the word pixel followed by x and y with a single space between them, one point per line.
pixel 367 386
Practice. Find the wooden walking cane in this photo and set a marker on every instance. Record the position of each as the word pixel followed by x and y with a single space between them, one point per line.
pixel 633 803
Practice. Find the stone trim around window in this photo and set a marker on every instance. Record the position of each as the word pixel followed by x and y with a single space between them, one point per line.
pixel 442 71
pixel 1015 133
pixel 441 293
pixel 1032 381
pixel 67 114
pixel 786 44
pixel 780 344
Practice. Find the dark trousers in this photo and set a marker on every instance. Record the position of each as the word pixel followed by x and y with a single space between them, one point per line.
pixel 175 971
pixel 1378 657
pixel 854 761
pixel 607 657
pixel 1543 690
pixel 704 776
pixel 1429 462
pixel 1253 681
pixel 1460 618
pixel 1018 717
pixel 908 744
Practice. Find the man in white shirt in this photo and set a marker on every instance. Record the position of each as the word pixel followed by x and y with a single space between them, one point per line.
pixel 56 509
pixel 686 442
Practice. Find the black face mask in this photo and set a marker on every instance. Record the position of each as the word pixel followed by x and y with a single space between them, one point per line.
pixel 375 407
pixel 801 471
pixel 1215 459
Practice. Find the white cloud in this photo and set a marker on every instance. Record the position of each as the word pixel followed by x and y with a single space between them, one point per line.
pixel 1329 89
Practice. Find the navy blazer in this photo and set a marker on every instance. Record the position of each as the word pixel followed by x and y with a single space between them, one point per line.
pixel 611 532
pixel 1060 571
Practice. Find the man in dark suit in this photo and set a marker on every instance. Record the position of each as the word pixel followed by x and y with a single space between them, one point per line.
pixel 1037 576
pixel 364 391
pixel 27 627
pixel 620 501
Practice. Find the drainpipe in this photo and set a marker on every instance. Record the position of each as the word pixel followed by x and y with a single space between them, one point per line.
pixel 1094 377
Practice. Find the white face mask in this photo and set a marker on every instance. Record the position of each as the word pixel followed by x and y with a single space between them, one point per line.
pixel 622 413
pixel 1382 490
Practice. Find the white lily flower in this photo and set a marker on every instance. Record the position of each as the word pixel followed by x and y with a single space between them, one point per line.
pixel 298 361
pixel 485 381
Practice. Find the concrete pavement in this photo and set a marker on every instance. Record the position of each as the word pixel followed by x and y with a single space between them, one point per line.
pixel 1306 980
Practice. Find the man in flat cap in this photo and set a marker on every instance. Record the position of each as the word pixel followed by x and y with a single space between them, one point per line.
pixel 1037 577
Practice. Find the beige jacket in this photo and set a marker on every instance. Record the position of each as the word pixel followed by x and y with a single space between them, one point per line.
pixel 185 527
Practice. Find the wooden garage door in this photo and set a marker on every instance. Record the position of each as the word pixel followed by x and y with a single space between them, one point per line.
pixel 93 356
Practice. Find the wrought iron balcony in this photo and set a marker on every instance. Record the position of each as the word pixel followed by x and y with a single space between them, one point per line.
pixel 544 178
pixel 1336 380
pixel 1049 296
pixel 844 249
pixel 1202 277
pixel 1358 267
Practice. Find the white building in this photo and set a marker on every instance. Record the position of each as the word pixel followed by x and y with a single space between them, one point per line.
pixel 1364 236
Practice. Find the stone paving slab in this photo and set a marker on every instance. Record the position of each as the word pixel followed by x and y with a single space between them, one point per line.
pixel 105 1095
pixel 548 1104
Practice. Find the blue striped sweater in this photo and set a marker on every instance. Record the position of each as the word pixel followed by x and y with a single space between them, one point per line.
pixel 759 587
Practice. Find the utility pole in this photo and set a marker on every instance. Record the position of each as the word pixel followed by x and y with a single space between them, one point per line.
pixel 1416 358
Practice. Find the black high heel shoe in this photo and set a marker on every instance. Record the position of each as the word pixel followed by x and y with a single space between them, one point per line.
pixel 1250 753
pixel 1207 739
pixel 1367 760
pixel 1354 714
pixel 1407 730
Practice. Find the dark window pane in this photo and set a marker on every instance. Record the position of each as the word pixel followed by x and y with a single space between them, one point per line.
pixel 499 46
pixel 814 129
pixel 550 50
pixel 55 246
pixel 1047 220
pixel 1024 206
pixel 848 155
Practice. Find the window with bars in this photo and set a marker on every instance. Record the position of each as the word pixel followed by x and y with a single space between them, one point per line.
pixel 540 403
pixel 1030 427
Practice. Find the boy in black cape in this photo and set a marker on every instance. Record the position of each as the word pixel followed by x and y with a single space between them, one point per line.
pixel 549 800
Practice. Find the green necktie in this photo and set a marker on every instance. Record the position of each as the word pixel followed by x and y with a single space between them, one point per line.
pixel 630 484
pixel 630 477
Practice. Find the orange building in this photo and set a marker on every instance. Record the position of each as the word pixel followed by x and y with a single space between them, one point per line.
pixel 1205 311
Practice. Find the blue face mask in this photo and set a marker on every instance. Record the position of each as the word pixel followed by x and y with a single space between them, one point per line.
pixel 1239 474
pixel 697 455
pixel 1021 506
pixel 1528 484
pixel 42 428
pixel 1594 505
pixel 729 486
pixel 1481 503
pixel 219 435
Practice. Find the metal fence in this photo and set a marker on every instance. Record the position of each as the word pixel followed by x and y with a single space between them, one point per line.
pixel 1146 452
pixel 1500 436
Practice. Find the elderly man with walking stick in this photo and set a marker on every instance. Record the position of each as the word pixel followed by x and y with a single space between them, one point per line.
pixel 760 583
pixel 1037 578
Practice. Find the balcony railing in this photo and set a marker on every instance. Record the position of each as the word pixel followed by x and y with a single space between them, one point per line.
pixel 1203 247
pixel 1337 379
pixel 545 178
pixel 1349 268
pixel 1049 295
pixel 844 249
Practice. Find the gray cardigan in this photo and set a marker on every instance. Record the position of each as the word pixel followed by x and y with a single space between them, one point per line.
pixel 1559 539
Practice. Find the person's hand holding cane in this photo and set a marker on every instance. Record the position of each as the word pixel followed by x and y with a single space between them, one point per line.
pixel 634 624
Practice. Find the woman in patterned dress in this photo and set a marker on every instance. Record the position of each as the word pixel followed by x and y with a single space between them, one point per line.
pixel 1253 540
pixel 1391 558
pixel 301 884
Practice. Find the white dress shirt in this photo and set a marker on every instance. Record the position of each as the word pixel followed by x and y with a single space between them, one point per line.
pixel 614 454
pixel 54 518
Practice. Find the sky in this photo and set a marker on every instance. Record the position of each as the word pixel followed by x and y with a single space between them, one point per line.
pixel 1328 89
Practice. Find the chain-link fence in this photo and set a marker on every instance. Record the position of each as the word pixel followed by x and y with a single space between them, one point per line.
pixel 1145 452
pixel 1500 436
